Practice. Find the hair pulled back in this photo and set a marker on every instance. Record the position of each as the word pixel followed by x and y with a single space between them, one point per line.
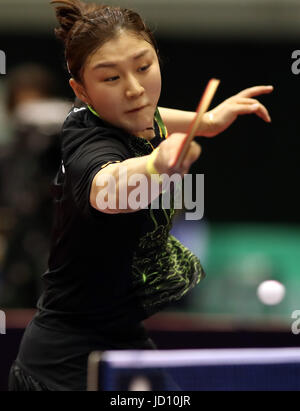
pixel 86 27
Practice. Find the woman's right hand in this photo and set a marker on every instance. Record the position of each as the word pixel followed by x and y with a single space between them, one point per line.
pixel 167 152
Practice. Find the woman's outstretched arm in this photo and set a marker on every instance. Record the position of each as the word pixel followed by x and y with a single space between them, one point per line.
pixel 221 117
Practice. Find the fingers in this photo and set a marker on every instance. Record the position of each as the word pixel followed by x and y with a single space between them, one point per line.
pixel 172 145
pixel 169 152
pixel 255 91
pixel 254 106
pixel 257 109
pixel 191 156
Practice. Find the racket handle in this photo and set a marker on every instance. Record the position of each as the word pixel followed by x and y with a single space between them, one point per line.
pixel 203 106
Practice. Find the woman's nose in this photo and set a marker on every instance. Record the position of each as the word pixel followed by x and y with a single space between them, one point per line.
pixel 134 88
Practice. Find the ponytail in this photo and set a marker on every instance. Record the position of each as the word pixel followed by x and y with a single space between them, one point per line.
pixel 68 13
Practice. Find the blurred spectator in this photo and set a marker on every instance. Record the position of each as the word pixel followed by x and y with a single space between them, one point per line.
pixel 28 163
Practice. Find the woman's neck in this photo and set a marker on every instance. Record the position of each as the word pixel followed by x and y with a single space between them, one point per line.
pixel 148 134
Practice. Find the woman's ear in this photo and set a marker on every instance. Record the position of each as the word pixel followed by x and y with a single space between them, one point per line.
pixel 79 91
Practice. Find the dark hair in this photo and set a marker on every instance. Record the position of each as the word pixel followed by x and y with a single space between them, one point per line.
pixel 85 27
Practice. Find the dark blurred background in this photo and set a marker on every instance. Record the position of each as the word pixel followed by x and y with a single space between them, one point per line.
pixel 251 226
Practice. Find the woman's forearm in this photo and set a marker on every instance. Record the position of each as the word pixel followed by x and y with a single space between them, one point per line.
pixel 112 187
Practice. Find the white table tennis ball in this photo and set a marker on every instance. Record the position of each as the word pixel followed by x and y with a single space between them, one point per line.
pixel 271 292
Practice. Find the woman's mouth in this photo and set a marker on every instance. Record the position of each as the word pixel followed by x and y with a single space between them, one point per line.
pixel 135 110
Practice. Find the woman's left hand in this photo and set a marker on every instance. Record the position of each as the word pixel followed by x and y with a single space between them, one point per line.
pixel 221 117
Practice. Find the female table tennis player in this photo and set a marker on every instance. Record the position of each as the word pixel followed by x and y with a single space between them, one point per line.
pixel 110 268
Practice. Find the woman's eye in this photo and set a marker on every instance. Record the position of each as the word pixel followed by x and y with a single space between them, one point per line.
pixel 112 78
pixel 144 68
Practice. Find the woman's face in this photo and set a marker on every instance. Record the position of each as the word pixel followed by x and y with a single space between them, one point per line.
pixel 122 82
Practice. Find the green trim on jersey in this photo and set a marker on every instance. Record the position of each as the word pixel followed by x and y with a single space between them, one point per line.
pixel 93 111
pixel 157 118
pixel 161 124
